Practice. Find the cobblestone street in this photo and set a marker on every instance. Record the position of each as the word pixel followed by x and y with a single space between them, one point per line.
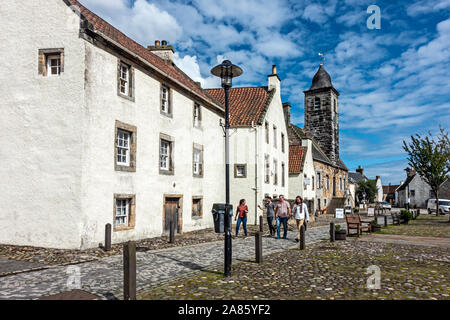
pixel 325 270
pixel 105 277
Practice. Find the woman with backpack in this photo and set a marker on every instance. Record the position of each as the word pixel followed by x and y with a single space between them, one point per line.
pixel 241 211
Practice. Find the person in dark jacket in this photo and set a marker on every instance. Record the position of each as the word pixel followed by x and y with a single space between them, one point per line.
pixel 270 212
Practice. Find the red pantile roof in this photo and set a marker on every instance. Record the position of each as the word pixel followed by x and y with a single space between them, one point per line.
pixel 390 189
pixel 167 68
pixel 296 154
pixel 247 104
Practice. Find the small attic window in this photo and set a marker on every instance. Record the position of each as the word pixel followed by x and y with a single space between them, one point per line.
pixel 51 62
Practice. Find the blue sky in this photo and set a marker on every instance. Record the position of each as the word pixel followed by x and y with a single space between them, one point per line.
pixel 394 82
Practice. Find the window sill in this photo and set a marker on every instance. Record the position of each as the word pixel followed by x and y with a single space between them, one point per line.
pixel 166 172
pixel 126 97
pixel 197 175
pixel 166 115
pixel 116 229
pixel 123 168
pixel 242 177
pixel 197 217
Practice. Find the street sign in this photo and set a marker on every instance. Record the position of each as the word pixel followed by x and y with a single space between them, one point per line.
pixel 339 213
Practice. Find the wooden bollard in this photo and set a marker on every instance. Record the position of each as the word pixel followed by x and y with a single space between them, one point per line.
pixel 261 226
pixel 302 238
pixel 129 271
pixel 332 231
pixel 107 237
pixel 172 232
pixel 385 221
pixel 258 247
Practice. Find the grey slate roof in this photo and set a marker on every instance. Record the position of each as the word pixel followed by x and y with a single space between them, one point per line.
pixel 408 180
pixel 296 134
pixel 355 177
pixel 321 79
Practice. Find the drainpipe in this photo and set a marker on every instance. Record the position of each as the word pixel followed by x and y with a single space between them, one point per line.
pixel 256 172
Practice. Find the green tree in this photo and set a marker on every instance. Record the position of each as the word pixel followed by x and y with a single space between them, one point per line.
pixel 368 187
pixel 430 157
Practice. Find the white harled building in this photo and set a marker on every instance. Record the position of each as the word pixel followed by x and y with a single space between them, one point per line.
pixel 259 146
pixel 98 129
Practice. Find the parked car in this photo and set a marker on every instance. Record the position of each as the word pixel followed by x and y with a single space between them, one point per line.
pixel 384 205
pixel 444 206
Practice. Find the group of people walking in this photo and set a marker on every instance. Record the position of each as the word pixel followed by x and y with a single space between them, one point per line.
pixel 281 213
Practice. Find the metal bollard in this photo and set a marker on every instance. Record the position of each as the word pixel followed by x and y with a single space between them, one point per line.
pixel 107 237
pixel 129 271
pixel 258 247
pixel 172 232
pixel 385 221
pixel 261 226
pixel 332 231
pixel 302 237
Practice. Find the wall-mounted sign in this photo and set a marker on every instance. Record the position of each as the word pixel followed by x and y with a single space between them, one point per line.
pixel 361 206
pixel 339 213
pixel 307 181
pixel 371 212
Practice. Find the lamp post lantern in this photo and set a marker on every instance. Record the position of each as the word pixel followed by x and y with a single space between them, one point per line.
pixel 227 71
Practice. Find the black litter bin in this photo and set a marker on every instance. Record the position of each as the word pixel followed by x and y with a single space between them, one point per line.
pixel 218 212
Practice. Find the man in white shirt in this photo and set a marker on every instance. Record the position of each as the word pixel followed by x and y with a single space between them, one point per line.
pixel 300 212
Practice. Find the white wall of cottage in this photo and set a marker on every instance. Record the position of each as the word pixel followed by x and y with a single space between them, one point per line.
pixel 57 136
pixel 243 150
pixel 102 181
pixel 41 126
pixel 296 181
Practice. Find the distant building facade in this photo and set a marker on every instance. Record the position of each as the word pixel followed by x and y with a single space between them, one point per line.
pixel 414 190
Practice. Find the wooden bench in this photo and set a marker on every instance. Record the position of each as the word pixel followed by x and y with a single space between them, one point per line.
pixel 396 219
pixel 355 222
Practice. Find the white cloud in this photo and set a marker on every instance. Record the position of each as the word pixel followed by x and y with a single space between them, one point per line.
pixel 144 21
pixel 315 13
pixel 190 66
pixel 423 7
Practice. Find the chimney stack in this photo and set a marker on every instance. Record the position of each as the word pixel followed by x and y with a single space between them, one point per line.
pixel 274 81
pixel 162 50
pixel 360 170
pixel 287 111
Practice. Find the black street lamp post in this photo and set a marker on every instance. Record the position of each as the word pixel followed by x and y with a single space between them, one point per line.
pixel 227 71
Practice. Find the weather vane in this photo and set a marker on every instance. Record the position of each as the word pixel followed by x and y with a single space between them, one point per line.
pixel 322 57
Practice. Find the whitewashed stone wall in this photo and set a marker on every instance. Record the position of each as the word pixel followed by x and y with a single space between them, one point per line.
pixel 57 136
